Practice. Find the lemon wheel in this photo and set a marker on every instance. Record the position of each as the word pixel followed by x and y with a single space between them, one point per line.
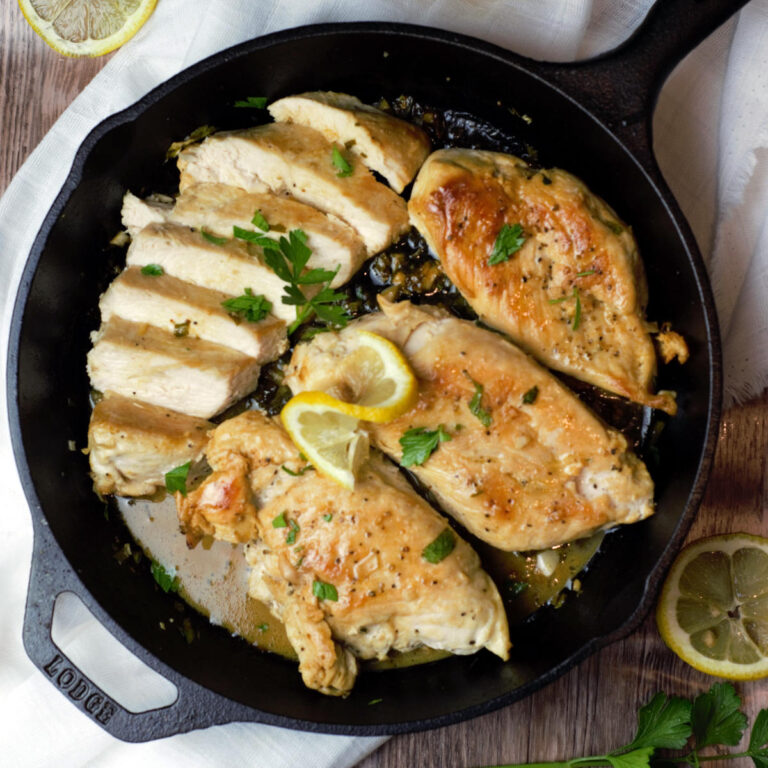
pixel 86 27
pixel 329 439
pixel 713 610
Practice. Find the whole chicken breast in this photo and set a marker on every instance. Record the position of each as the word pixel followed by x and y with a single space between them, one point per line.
pixel 527 466
pixel 573 295
pixel 350 573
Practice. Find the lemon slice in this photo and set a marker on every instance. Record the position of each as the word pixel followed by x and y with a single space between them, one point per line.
pixel 86 27
pixel 713 611
pixel 374 381
pixel 329 439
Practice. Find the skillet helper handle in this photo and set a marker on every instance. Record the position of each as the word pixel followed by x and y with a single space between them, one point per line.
pixel 621 86
pixel 195 707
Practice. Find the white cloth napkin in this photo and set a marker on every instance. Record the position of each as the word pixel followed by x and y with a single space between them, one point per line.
pixel 711 137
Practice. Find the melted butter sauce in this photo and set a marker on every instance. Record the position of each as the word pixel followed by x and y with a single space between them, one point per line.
pixel 214 580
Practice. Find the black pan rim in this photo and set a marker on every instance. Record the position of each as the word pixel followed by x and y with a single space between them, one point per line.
pixel 654 578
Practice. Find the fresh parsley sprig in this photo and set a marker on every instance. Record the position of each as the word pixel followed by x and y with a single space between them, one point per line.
pixel 420 443
pixel 712 719
pixel 253 307
pixel 508 242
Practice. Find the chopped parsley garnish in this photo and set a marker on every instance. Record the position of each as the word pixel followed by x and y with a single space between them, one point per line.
pixel 475 404
pixel 262 627
pixel 250 306
pixel 176 479
pixel 259 221
pixel 587 273
pixel 342 165
pixel 440 548
pixel 420 443
pixel 168 582
pixel 324 591
pixel 290 472
pixel 197 135
pixel 328 517
pixel 529 398
pixel 374 701
pixel 253 237
pixel 287 258
pixel 293 533
pixel 577 312
pixel 508 242
pixel 280 521
pixel 252 102
pixel 153 270
pixel 213 238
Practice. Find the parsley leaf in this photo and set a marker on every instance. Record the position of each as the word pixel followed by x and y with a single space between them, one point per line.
pixel 420 443
pixel 716 717
pixel 290 472
pixel 176 479
pixel 529 398
pixel 475 404
pixel 662 723
pixel 340 163
pixel 585 274
pixel 154 270
pixel 639 758
pixel 324 591
pixel 758 740
pixel 259 221
pixel 168 582
pixel 577 312
pixel 328 517
pixel 262 627
pixel 280 521
pixel 252 102
pixel 250 306
pixel 212 238
pixel 293 533
pixel 508 242
pixel 440 548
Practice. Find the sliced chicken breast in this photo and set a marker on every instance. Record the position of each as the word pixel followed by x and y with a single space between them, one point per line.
pixel 527 465
pixel 189 375
pixel 573 295
pixel 230 268
pixel 299 161
pixel 390 146
pixel 137 213
pixel 218 208
pixel 188 310
pixel 131 444
pixel 346 571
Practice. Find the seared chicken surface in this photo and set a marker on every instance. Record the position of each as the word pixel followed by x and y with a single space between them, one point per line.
pixel 218 208
pixel 298 161
pixel 131 444
pixel 543 472
pixel 386 144
pixel 340 566
pixel 573 295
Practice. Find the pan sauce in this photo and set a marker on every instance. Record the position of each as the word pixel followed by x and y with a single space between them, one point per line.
pixel 214 580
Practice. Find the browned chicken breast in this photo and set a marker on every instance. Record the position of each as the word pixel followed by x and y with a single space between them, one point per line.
pixel 375 569
pixel 540 257
pixel 131 445
pixel 527 465
pixel 386 144
pixel 299 161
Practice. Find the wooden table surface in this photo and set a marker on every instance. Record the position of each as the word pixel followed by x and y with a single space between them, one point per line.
pixel 591 709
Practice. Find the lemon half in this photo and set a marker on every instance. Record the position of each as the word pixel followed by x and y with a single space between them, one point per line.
pixel 86 27
pixel 329 439
pixel 713 610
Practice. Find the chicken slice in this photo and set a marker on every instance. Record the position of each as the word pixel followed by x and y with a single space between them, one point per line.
pixel 218 208
pixel 138 213
pixel 390 146
pixel 229 268
pixel 341 566
pixel 298 161
pixel 131 444
pixel 190 375
pixel 573 295
pixel 544 471
pixel 188 310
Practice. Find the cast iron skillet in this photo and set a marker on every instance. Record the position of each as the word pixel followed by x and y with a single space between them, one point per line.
pixel 592 118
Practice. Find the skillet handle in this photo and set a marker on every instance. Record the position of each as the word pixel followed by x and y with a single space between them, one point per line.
pixel 621 86
pixel 195 707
